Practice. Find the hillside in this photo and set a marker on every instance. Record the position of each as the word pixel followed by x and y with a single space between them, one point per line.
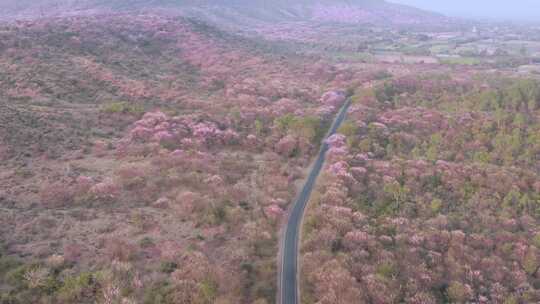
pixel 151 155
pixel 239 12
pixel 151 152
pixel 431 194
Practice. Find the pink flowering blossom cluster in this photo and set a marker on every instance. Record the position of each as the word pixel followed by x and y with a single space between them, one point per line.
pixel 358 172
pixel 183 132
pixel 325 111
pixel 285 106
pixel 333 98
pixel 149 125
pixel 273 212
pixel 106 190
pixel 335 195
pixel 340 169
pixel 83 184
pixel 416 120
pixel 336 140
pixel 287 145
pixel 209 132
pixel 356 238
pixel 338 150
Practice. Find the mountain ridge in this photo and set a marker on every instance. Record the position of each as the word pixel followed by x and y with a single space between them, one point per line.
pixel 378 12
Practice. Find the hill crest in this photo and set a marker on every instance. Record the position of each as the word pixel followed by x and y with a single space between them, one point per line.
pixel 378 12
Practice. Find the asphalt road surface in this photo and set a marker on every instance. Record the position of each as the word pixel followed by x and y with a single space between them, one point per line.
pixel 289 256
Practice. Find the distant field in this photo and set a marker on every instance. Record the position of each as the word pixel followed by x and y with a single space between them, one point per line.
pixel 399 58
pixel 461 61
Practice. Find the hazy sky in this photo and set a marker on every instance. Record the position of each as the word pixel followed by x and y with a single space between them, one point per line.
pixel 528 10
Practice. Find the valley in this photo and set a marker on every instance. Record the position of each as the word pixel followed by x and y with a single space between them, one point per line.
pixel 152 152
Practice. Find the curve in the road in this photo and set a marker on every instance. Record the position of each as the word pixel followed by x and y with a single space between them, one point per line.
pixel 288 288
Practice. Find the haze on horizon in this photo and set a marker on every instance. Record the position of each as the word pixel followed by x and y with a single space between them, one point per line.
pixel 519 10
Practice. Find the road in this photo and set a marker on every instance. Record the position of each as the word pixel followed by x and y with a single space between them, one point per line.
pixel 288 285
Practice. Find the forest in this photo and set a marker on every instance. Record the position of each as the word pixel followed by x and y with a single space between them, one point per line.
pixel 151 153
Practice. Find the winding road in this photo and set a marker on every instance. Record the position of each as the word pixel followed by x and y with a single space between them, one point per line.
pixel 288 283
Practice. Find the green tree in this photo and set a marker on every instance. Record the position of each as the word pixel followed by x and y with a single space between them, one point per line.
pixel 511 200
pixel 398 192
pixel 307 127
pixel 432 152
pixel 284 122
pixel 259 127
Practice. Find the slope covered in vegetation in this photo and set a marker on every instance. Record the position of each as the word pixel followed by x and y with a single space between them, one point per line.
pixel 149 151
pixel 432 195
pixel 148 159
pixel 240 12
